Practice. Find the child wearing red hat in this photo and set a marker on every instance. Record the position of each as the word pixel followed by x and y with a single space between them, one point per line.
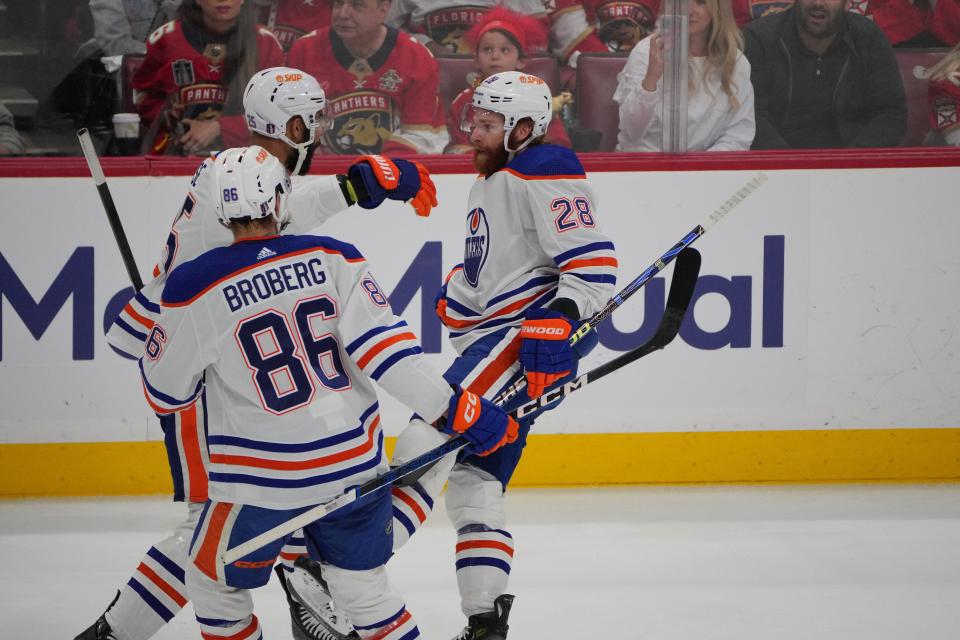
pixel 501 42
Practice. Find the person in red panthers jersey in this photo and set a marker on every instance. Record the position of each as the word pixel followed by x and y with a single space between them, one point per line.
pixel 189 87
pixel 291 19
pixel 621 24
pixel 381 85
pixel 500 42
pixel 943 99
pixel 900 20
pixel 746 10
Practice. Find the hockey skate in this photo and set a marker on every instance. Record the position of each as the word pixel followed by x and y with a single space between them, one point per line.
pixel 313 614
pixel 491 625
pixel 100 630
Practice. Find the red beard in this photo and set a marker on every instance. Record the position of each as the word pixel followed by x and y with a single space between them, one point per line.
pixel 489 161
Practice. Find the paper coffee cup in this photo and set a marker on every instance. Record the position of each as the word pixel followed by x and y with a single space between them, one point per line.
pixel 126 125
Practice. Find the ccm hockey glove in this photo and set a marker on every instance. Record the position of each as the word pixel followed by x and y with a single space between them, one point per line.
pixel 545 350
pixel 483 423
pixel 376 178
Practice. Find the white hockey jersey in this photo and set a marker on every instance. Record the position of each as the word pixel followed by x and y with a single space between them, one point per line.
pixel 285 334
pixel 532 236
pixel 195 230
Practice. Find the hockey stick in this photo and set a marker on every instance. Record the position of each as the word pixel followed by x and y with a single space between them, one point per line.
pixel 86 143
pixel 457 443
pixel 682 284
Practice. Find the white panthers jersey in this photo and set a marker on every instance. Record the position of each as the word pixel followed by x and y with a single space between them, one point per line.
pixel 285 334
pixel 196 229
pixel 532 235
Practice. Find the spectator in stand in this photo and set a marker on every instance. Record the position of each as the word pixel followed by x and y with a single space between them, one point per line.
pixel 10 142
pixel 121 27
pixel 943 99
pixel 441 25
pixel 571 33
pixel 719 100
pixel 945 21
pixel 903 21
pixel 500 41
pixel 382 86
pixel 291 19
pixel 190 85
pixel 824 78
pixel 621 24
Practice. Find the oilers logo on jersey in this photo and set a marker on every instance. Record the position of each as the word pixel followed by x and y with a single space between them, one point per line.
pixel 476 245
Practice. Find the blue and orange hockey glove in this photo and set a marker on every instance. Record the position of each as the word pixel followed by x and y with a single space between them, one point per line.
pixel 545 351
pixel 483 423
pixel 376 178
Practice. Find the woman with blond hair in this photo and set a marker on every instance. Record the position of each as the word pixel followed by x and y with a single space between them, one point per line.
pixel 720 96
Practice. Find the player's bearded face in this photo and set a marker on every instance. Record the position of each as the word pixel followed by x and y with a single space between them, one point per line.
pixel 486 136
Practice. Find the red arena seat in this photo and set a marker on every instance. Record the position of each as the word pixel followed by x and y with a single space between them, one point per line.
pixel 596 82
pixel 455 72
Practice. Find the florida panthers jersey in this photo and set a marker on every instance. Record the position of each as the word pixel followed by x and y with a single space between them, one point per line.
pixel 745 11
pixel 899 20
pixel 285 334
pixel 195 230
pixel 945 21
pixel 532 235
pixel 183 66
pixel 607 15
pixel 943 98
pixel 447 21
pixel 387 103
pixel 291 19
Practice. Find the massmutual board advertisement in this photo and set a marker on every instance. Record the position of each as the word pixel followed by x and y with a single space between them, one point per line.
pixel 826 303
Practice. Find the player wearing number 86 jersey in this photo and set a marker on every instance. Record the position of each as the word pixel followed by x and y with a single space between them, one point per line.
pixel 286 336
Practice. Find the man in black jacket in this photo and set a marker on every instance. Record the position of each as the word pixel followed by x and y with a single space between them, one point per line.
pixel 823 78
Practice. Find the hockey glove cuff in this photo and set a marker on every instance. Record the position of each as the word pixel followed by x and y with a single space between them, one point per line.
pixel 545 350
pixel 483 423
pixel 381 178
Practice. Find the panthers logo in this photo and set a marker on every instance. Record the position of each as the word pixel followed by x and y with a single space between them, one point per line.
pixel 363 121
pixel 362 132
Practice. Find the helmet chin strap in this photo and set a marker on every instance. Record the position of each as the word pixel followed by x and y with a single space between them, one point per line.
pixel 523 145
pixel 301 148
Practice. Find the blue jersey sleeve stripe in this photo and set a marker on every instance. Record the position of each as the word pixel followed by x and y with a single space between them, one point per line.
pixel 393 359
pixel 594 277
pixel 139 335
pixel 453 305
pixel 356 344
pixel 579 251
pixel 536 282
pixel 164 398
pixel 297 447
pixel 146 304
pixel 172 567
pixel 483 562
pixel 299 483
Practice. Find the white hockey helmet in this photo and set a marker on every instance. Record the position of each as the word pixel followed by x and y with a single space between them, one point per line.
pixel 275 95
pixel 516 95
pixel 249 182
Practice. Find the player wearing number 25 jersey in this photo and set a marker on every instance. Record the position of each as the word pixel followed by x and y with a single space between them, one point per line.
pixel 284 335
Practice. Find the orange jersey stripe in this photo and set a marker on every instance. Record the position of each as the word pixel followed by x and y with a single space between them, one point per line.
pixel 590 262
pixel 146 322
pixel 410 502
pixel 300 465
pixel 190 438
pixel 206 559
pixel 485 544
pixel 462 324
pixel 496 368
pixel 157 408
pixel 163 585
pixel 380 346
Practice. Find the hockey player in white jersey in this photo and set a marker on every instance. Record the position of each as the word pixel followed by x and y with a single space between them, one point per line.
pixel 286 334
pixel 535 264
pixel 284 111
